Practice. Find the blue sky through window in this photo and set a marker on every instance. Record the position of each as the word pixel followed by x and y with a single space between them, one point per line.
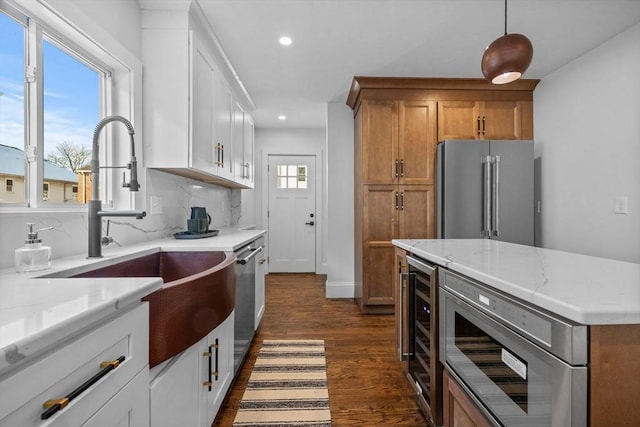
pixel 71 92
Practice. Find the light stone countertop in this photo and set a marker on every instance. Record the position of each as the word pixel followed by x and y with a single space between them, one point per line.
pixel 36 312
pixel 585 289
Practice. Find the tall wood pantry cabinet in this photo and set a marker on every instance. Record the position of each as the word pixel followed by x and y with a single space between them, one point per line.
pixel 397 124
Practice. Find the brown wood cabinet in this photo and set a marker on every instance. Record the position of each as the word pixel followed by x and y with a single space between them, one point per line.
pixel 459 409
pixel 485 120
pixel 397 123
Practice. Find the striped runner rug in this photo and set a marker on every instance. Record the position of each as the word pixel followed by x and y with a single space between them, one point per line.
pixel 287 386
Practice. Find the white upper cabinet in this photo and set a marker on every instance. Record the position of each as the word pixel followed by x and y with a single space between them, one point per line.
pixel 189 105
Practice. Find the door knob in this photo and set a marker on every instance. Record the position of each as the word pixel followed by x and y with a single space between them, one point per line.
pixel 310 223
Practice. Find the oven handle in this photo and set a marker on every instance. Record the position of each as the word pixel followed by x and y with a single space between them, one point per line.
pixel 249 257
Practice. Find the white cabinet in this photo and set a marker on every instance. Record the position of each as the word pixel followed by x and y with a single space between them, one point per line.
pixel 189 105
pixel 113 400
pixel 243 142
pixel 188 389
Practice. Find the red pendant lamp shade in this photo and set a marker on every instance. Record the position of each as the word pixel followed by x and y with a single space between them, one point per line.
pixel 508 57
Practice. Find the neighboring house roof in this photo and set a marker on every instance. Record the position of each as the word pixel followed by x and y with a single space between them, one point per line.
pixel 12 163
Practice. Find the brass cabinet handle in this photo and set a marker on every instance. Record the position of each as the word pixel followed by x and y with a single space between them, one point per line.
pixel 213 371
pixel 397 201
pixel 396 170
pixel 484 125
pixel 54 405
pixel 478 127
pixel 402 167
pixel 402 200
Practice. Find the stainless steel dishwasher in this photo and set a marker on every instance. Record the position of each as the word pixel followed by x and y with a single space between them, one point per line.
pixel 244 326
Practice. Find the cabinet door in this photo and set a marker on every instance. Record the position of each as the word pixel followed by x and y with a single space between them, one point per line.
pixel 459 409
pixel 247 151
pixel 417 212
pixel 502 120
pixel 174 392
pixel 380 162
pixel 417 142
pixel 237 140
pixel 459 120
pixel 223 122
pixel 201 153
pixel 380 222
pixel 216 368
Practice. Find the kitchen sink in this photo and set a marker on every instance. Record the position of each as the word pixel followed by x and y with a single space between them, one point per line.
pixel 198 293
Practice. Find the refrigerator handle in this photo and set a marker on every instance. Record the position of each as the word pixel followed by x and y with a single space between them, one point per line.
pixel 495 190
pixel 486 196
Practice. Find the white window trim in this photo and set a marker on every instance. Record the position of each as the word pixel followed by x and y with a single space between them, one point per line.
pixel 126 80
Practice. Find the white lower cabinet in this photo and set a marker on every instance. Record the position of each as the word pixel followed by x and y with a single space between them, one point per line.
pixel 119 398
pixel 189 389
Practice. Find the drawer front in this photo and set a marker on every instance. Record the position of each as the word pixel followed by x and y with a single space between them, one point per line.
pixel 56 375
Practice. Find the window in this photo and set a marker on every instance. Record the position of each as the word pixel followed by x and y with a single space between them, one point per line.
pixel 9 185
pixel 291 176
pixel 50 101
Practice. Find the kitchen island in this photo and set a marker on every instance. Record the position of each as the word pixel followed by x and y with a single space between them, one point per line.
pixel 599 297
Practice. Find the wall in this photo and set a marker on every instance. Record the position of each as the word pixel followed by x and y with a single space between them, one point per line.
pixel 340 244
pixel 292 142
pixel 587 127
pixel 116 26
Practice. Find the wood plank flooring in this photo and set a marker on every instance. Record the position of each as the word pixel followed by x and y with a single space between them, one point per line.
pixel 367 386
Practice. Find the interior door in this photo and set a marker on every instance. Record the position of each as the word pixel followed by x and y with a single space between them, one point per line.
pixel 291 214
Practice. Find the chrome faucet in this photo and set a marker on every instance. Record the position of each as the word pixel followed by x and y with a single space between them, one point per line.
pixel 95 204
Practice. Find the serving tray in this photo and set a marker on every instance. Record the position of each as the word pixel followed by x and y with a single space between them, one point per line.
pixel 190 235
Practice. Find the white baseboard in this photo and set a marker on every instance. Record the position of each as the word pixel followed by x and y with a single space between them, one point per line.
pixel 339 289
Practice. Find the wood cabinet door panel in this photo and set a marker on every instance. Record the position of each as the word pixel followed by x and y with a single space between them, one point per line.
pixel 458 120
pixel 379 258
pixel 417 142
pixel 380 213
pixel 459 409
pixel 502 120
pixel 417 212
pixel 380 152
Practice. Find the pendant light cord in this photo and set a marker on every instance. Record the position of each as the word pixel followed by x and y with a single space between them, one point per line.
pixel 505 17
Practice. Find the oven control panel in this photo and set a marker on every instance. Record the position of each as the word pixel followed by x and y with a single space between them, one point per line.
pixel 534 324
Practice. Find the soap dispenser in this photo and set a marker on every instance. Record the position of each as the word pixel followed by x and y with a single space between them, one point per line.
pixel 33 256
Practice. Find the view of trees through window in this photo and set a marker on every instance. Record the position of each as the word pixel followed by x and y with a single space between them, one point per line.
pixel 71 109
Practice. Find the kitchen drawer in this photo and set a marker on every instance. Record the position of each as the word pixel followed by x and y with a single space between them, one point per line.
pixel 55 375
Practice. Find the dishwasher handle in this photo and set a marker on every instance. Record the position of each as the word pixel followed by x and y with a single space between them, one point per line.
pixel 253 254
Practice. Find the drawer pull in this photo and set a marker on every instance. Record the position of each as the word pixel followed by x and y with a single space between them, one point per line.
pixel 54 405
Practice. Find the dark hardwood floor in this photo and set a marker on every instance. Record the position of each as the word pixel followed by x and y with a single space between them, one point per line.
pixel 367 386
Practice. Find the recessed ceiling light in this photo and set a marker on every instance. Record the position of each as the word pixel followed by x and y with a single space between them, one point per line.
pixel 282 117
pixel 285 41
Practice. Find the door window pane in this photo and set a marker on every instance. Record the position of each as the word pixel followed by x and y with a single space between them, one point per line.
pixel 12 98
pixel 291 176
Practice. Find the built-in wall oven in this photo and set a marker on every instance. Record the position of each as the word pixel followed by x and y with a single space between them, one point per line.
pixel 424 370
pixel 521 366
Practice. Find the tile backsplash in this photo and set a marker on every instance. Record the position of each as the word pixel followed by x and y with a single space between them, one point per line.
pixel 69 234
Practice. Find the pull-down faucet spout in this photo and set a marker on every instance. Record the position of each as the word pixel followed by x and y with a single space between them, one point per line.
pixel 95 204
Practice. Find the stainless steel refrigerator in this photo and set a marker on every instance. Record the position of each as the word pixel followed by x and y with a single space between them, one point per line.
pixel 485 190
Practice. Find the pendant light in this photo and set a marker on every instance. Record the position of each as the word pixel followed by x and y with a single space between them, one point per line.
pixel 508 57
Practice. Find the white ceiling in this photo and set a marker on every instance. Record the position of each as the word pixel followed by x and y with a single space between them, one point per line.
pixel 333 40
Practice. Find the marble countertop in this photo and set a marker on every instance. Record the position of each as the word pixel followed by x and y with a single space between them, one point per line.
pixel 585 289
pixel 42 308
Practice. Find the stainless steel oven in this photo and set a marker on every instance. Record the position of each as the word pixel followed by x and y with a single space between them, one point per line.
pixel 522 366
pixel 424 370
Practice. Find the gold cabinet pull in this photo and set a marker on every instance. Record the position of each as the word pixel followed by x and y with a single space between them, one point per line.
pixel 54 405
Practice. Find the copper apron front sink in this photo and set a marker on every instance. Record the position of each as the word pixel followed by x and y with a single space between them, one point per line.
pixel 199 292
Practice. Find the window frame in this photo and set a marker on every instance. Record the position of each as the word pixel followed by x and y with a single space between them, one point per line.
pixel 120 85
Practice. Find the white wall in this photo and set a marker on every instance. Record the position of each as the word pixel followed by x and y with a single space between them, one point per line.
pixel 340 244
pixel 587 131
pixel 292 142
